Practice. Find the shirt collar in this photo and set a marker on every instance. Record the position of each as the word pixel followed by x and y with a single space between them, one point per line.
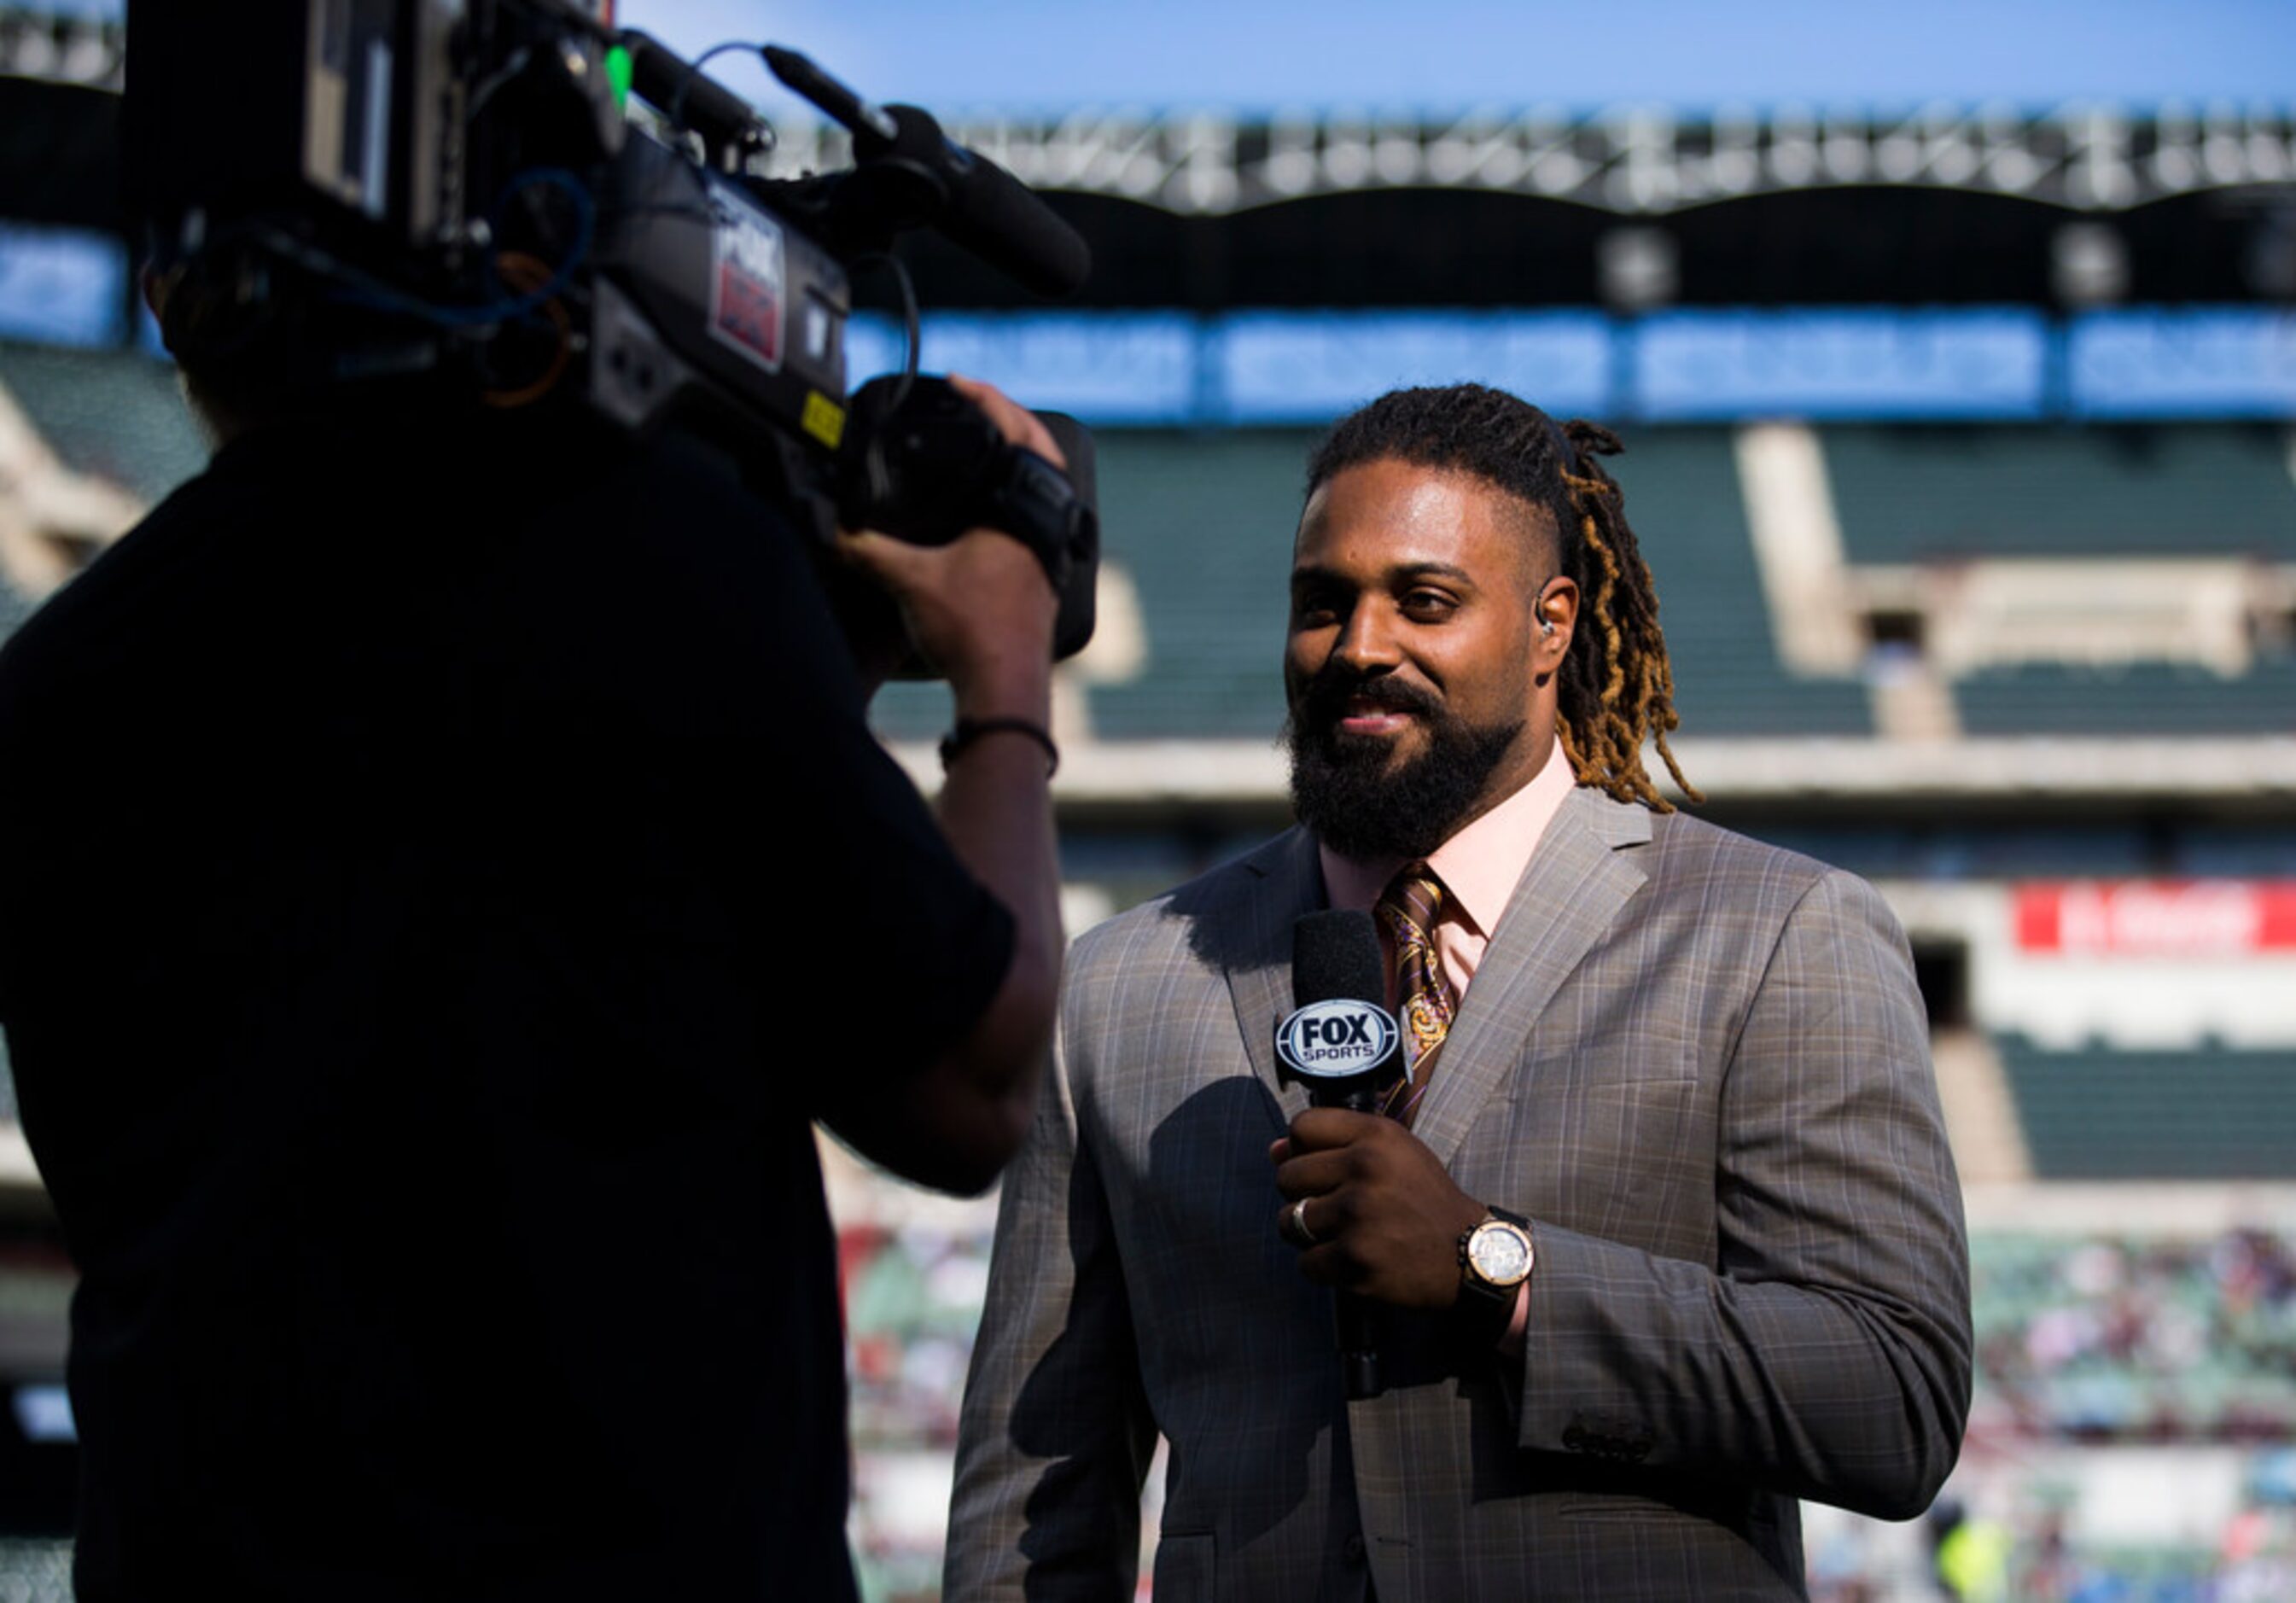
pixel 1480 864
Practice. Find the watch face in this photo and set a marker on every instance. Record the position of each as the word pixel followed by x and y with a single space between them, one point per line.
pixel 1500 1252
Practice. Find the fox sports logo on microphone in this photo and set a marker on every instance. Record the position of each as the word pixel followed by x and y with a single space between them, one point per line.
pixel 1331 1040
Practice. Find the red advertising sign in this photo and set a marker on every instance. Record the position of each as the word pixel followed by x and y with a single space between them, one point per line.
pixel 2158 917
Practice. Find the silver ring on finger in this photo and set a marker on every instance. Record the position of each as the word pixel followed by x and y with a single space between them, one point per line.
pixel 1299 1223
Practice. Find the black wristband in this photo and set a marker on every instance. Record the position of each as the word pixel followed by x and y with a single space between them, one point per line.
pixel 1478 1324
pixel 970 729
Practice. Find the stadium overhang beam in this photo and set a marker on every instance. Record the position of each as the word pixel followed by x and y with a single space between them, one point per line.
pixel 1633 161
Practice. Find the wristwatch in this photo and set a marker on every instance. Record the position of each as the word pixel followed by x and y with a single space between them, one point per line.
pixel 1495 1260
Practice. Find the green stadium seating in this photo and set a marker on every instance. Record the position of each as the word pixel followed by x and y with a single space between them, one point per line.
pixel 1950 494
pixel 1689 516
pixel 118 415
pixel 2206 1113
pixel 1203 523
pixel 2143 698
pixel 1913 495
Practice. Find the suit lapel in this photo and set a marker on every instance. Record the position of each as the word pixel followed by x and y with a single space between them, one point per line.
pixel 1285 880
pixel 1578 879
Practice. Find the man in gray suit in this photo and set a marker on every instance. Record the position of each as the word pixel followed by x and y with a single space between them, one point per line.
pixel 1663 1235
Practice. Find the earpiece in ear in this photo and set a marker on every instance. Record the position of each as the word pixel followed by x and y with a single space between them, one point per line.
pixel 1538 607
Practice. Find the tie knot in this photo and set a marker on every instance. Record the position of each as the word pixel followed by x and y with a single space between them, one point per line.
pixel 1414 896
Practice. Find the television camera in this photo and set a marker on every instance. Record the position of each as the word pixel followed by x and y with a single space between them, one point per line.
pixel 369 190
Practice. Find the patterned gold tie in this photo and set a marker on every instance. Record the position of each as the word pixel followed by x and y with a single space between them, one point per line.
pixel 1424 999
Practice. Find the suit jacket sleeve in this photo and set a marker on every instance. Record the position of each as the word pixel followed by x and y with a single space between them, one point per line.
pixel 1055 1435
pixel 1827 1354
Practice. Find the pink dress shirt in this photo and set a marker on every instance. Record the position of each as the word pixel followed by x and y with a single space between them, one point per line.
pixel 1479 867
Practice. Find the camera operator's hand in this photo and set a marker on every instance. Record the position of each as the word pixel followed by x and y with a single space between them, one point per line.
pixel 982 611
pixel 979 608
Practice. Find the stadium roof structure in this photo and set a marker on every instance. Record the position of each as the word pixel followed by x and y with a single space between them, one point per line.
pixel 1630 160
pixel 1636 207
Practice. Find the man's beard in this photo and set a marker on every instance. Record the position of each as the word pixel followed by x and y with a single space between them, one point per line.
pixel 1341 788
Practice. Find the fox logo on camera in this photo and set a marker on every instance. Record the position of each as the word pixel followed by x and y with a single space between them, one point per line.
pixel 1337 1039
pixel 745 290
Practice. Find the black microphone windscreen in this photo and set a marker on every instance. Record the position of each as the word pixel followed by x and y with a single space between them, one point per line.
pixel 1337 954
pixel 1336 958
pixel 987 210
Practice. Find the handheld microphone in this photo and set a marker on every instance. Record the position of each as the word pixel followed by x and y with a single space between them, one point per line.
pixel 1342 1040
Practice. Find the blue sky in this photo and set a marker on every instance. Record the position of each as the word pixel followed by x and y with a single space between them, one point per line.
pixel 1035 55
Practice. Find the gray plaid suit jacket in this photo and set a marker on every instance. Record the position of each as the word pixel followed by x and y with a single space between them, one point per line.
pixel 1698 1064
